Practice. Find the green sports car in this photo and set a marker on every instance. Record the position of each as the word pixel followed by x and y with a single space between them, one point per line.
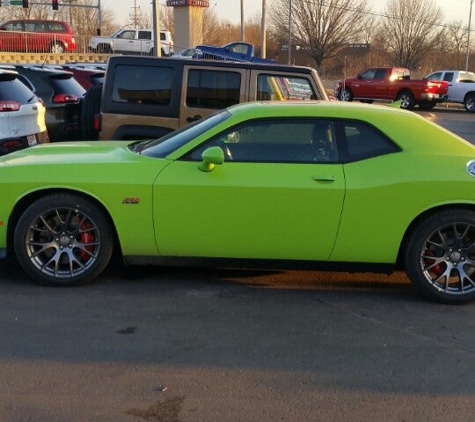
pixel 319 185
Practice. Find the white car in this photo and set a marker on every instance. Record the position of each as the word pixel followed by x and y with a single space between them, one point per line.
pixel 132 41
pixel 22 115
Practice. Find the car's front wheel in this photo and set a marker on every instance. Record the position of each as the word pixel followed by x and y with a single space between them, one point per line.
pixel 440 256
pixel 63 239
pixel 345 94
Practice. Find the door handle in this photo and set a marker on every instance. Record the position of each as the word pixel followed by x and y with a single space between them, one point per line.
pixel 193 119
pixel 323 178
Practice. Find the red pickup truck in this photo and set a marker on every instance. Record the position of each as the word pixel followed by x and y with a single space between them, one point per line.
pixel 392 83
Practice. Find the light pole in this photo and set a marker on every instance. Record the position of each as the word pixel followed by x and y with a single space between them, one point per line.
pixel 289 61
pixel 468 36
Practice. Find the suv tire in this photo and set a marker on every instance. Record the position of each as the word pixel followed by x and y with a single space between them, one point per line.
pixel 90 107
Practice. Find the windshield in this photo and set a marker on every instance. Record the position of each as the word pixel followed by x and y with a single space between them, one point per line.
pixel 165 145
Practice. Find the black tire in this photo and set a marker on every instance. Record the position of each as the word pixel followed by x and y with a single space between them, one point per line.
pixel 469 103
pixel 57 47
pixel 440 256
pixel 104 49
pixel 407 100
pixel 63 240
pixel 345 94
pixel 427 105
pixel 90 107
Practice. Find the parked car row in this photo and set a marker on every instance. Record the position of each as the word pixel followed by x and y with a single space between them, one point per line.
pixel 41 104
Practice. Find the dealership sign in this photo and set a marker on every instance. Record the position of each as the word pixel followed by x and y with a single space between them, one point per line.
pixel 199 3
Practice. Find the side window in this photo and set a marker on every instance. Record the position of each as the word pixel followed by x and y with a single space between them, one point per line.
pixel 56 27
pixel 212 89
pixel 127 35
pixel 362 141
pixel 277 141
pixel 369 74
pixel 39 27
pixel 145 35
pixel 30 27
pixel 283 88
pixel 380 74
pixel 449 76
pixel 143 85
pixel 436 76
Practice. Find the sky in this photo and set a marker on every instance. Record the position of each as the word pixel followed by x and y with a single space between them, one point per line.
pixel 231 9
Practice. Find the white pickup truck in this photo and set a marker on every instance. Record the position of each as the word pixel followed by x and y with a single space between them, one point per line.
pixel 461 86
pixel 132 41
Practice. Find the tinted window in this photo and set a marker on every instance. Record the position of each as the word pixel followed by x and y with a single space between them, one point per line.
pixel 279 141
pixel 16 91
pixel 213 89
pixel 143 85
pixel 449 76
pixel 361 140
pixel 67 85
pixel 283 88
pixel 145 35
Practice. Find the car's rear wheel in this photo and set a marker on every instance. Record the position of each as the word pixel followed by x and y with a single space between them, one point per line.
pixel 104 49
pixel 91 107
pixel 63 239
pixel 57 47
pixel 407 100
pixel 440 256
pixel 345 94
pixel 469 103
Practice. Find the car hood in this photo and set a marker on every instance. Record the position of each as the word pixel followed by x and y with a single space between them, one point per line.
pixel 72 152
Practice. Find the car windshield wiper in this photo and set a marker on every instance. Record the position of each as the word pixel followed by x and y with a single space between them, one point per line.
pixel 139 146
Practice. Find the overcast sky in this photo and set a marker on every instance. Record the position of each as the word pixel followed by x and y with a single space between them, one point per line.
pixel 231 9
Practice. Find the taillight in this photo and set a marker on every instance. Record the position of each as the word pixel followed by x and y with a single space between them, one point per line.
pixel 12 144
pixel 9 106
pixel 97 121
pixel 65 98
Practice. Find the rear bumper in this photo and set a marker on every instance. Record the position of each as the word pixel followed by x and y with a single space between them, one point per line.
pixel 434 97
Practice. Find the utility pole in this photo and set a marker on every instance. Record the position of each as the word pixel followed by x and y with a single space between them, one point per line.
pixel 242 20
pixel 289 61
pixel 468 36
pixel 157 45
pixel 263 29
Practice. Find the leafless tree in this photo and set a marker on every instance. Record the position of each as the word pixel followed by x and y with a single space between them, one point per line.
pixel 413 28
pixel 322 27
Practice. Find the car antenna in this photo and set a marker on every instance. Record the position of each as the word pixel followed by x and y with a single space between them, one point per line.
pixel 44 62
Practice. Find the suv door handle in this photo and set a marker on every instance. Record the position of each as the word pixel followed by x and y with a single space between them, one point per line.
pixel 193 119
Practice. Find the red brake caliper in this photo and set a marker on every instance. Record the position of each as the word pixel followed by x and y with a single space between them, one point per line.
pixel 86 237
pixel 437 269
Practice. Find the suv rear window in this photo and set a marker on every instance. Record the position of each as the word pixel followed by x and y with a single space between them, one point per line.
pixel 66 85
pixel 143 85
pixel 15 90
pixel 212 89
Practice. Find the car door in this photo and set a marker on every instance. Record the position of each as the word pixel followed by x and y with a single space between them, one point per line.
pixel 278 195
pixel 144 41
pixel 126 41
pixel 364 86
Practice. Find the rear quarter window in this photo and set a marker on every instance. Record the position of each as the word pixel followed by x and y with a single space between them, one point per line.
pixel 212 88
pixel 143 85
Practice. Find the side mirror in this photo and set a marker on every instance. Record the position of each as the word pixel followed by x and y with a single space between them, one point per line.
pixel 211 157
